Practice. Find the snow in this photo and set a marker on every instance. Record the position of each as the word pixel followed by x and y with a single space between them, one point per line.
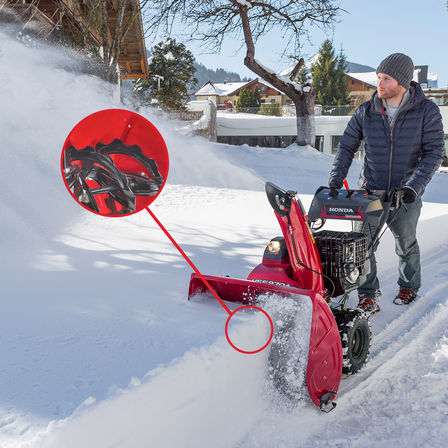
pixel 244 3
pixel 229 88
pixel 221 89
pixel 367 77
pixel 256 125
pixel 282 78
pixel 99 345
pixel 433 80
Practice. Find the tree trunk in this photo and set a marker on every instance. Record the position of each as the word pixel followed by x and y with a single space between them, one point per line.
pixel 306 131
pixel 301 95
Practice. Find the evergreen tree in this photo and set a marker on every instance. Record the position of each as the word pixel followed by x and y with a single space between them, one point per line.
pixel 171 75
pixel 329 78
pixel 243 101
pixel 248 101
pixel 342 81
pixel 255 100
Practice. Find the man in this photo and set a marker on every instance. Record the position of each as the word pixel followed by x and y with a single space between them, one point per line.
pixel 403 141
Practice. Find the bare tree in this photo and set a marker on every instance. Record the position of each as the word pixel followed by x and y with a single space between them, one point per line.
pixel 103 25
pixel 213 20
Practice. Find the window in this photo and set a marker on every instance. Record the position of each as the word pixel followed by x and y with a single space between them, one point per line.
pixel 272 101
pixel 319 143
pixel 262 88
pixel 335 139
pixel 288 102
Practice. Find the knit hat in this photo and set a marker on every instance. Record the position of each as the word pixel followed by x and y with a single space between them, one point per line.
pixel 400 67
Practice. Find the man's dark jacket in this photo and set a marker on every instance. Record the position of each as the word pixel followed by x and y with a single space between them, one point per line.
pixel 407 154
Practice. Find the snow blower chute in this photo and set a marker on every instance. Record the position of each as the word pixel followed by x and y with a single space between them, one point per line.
pixel 318 265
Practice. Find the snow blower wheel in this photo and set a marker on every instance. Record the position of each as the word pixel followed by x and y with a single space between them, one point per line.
pixel 355 332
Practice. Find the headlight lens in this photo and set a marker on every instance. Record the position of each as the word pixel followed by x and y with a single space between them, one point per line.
pixel 274 247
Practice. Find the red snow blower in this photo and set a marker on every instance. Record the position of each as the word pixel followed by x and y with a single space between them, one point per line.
pixel 317 265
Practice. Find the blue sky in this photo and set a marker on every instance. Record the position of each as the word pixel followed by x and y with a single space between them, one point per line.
pixel 368 32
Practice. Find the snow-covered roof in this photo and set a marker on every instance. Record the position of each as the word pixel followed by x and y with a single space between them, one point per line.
pixel 433 79
pixel 367 77
pixel 372 78
pixel 228 88
pixel 220 89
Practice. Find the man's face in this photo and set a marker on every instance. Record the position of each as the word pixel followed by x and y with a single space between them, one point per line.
pixel 388 87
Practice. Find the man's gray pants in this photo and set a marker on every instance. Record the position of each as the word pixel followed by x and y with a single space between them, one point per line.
pixel 403 225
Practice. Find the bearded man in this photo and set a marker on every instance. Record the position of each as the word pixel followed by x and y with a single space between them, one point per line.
pixel 403 141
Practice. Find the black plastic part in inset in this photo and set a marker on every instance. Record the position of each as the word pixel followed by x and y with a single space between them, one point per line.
pixel 96 164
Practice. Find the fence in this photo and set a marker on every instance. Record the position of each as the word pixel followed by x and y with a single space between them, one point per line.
pixel 289 110
pixel 186 115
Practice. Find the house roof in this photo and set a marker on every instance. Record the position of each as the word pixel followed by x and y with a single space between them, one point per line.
pixel 229 88
pixel 220 89
pixel 133 59
pixel 372 79
pixel 366 77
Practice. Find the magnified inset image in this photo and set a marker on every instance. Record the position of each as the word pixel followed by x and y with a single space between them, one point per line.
pixel 114 162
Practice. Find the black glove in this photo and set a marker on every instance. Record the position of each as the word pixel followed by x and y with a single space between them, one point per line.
pixel 334 186
pixel 404 195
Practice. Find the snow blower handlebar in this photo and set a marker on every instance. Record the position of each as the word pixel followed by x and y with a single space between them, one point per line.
pixel 370 206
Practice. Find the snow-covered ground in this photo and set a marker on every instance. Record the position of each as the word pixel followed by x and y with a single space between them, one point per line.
pixel 100 347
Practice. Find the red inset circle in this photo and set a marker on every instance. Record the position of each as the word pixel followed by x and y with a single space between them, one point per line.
pixel 249 352
pixel 114 162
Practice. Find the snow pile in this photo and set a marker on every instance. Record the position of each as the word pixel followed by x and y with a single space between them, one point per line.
pixel 206 393
pixel 289 348
pixel 192 402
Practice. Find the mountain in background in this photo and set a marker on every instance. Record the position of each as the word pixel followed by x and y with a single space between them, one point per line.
pixel 204 74
pixel 353 67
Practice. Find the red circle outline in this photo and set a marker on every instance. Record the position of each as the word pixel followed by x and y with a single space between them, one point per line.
pixel 246 351
pixel 153 129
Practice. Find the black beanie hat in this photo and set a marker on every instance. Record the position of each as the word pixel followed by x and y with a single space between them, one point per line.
pixel 400 67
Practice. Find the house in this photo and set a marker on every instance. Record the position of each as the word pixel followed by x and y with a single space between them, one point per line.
pixel 226 94
pixel 50 16
pixel 361 86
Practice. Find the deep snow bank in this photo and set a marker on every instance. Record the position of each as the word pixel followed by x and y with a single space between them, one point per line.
pixel 210 397
pixel 42 99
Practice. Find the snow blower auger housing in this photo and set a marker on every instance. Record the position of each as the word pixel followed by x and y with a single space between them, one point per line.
pixel 320 266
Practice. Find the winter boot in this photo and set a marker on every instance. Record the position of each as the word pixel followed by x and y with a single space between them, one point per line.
pixel 369 302
pixel 405 296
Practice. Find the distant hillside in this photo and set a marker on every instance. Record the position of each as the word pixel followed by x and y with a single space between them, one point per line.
pixel 204 74
pixel 353 67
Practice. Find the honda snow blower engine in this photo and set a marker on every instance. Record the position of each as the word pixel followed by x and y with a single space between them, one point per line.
pixel 344 255
pixel 344 260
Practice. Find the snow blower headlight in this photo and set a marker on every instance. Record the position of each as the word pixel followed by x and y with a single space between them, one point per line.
pixel 274 247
